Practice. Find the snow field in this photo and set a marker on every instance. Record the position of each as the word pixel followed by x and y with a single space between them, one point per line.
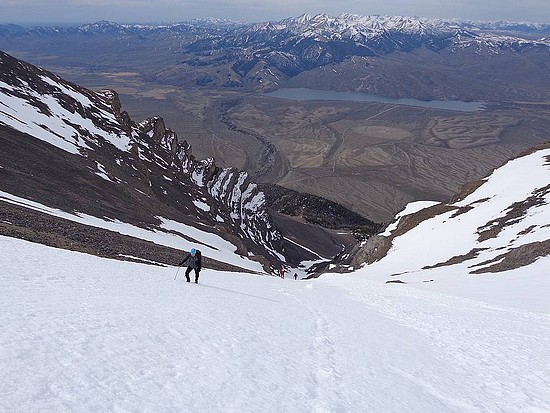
pixel 497 359
pixel 81 333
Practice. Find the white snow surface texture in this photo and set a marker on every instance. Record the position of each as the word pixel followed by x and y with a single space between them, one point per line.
pixel 87 334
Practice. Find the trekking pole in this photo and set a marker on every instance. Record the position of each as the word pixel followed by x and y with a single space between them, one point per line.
pixel 177 273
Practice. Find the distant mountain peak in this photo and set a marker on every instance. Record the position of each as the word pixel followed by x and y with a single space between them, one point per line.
pixel 102 26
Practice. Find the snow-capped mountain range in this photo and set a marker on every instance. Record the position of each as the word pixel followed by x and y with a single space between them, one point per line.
pixel 346 22
pixel 140 172
pixel 301 43
pixel 298 44
pixel 327 51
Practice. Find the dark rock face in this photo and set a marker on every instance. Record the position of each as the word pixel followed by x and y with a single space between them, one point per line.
pixel 317 210
pixel 456 59
pixel 241 201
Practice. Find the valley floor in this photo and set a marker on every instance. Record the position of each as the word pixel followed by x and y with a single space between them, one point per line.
pixel 81 333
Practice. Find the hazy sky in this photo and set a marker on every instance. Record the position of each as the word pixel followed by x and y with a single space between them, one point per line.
pixel 123 11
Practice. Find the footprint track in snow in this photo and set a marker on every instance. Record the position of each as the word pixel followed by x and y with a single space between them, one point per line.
pixel 325 386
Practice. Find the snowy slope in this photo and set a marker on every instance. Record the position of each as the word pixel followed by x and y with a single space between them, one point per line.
pixel 170 233
pixel 502 224
pixel 56 111
pixel 80 333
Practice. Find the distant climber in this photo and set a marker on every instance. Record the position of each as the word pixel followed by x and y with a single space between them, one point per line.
pixel 295 276
pixel 195 263
pixel 282 272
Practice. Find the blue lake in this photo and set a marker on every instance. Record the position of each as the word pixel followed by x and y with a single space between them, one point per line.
pixel 304 94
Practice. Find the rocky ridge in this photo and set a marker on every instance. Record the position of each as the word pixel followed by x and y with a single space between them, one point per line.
pixel 144 161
